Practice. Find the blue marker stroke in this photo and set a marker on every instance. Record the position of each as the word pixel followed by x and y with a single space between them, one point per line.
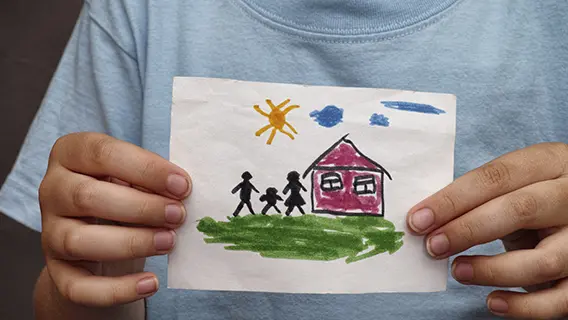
pixel 413 107
pixel 379 120
pixel 328 117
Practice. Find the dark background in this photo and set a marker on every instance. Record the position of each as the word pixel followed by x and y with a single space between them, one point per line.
pixel 33 34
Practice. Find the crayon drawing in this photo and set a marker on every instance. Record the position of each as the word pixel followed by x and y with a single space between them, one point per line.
pixel 412 107
pixel 276 119
pixel 346 182
pixel 245 189
pixel 343 182
pixel 328 117
pixel 379 120
pixel 307 237
pixel 305 189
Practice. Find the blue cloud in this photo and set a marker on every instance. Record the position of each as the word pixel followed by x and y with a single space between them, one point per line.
pixel 413 107
pixel 379 120
pixel 328 117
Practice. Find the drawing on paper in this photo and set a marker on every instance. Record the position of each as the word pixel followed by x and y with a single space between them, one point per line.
pixel 245 189
pixel 276 119
pixel 346 182
pixel 379 120
pixel 328 117
pixel 412 107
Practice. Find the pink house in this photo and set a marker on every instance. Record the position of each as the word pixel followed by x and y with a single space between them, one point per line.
pixel 346 182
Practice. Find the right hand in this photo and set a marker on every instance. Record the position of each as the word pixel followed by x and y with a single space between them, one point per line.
pixel 105 206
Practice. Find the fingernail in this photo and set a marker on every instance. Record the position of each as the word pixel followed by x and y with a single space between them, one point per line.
pixel 164 240
pixel 177 185
pixel 438 245
pixel 498 305
pixel 462 271
pixel 421 219
pixel 174 214
pixel 147 286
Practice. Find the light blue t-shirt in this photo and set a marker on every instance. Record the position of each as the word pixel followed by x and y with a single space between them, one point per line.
pixel 507 62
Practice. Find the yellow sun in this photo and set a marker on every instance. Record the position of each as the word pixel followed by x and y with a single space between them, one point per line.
pixel 277 119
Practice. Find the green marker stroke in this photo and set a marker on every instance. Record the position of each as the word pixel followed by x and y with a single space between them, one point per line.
pixel 307 237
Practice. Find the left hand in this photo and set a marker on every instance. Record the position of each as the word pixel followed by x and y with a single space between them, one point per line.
pixel 522 199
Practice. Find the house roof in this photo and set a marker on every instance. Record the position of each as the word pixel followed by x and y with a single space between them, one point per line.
pixel 344 155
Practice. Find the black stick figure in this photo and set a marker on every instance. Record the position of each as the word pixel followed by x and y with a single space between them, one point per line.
pixel 271 197
pixel 246 188
pixel 295 199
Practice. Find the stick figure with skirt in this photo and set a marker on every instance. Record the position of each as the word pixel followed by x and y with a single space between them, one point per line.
pixel 246 187
pixel 295 187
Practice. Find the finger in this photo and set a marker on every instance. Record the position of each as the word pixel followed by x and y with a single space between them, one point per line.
pixel 546 304
pixel 537 206
pixel 498 177
pixel 83 196
pixel 82 287
pixel 521 268
pixel 75 240
pixel 100 155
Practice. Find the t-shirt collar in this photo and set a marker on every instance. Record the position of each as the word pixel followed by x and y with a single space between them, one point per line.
pixel 348 16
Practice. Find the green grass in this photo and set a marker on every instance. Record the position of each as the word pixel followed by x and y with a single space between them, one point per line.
pixel 308 237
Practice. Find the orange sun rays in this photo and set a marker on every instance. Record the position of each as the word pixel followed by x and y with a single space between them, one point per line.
pixel 276 119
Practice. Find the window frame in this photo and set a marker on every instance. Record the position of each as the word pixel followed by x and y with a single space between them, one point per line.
pixel 324 184
pixel 372 182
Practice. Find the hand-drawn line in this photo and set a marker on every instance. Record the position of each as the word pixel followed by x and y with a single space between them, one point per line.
pixel 346 182
pixel 307 237
pixel 277 119
pixel 379 120
pixel 328 117
pixel 413 107
pixel 271 197
pixel 246 188
pixel 295 187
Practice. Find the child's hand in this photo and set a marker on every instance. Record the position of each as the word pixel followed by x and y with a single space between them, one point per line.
pixel 93 179
pixel 521 198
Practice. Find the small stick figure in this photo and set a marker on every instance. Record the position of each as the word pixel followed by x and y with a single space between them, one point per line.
pixel 295 199
pixel 246 188
pixel 271 197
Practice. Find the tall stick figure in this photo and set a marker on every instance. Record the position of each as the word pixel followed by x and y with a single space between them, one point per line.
pixel 295 199
pixel 246 187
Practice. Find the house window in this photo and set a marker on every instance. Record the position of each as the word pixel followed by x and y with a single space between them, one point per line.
pixel 331 181
pixel 365 185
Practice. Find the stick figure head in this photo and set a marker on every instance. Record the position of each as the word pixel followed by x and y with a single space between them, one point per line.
pixel 293 176
pixel 246 176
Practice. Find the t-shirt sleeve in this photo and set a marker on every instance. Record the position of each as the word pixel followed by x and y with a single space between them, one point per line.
pixel 97 87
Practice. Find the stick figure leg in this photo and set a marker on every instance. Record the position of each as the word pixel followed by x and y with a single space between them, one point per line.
pixel 249 206
pixel 239 208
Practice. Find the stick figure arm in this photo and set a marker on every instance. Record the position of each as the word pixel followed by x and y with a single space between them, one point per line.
pixel 279 198
pixel 254 188
pixel 302 186
pixel 285 191
pixel 237 188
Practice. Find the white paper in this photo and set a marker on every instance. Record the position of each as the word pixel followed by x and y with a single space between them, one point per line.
pixel 213 138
